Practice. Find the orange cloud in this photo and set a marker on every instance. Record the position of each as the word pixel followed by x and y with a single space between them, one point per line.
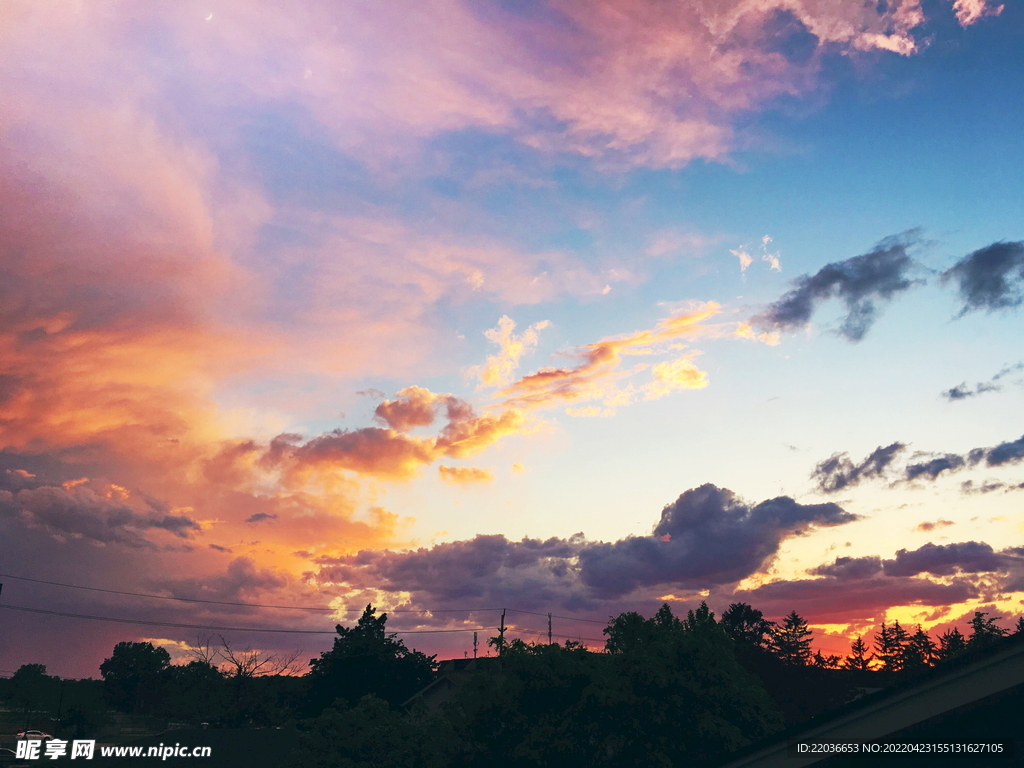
pixel 387 454
pixel 463 475
pixel 596 376
pixel 499 368
pixel 413 407
pixel 929 526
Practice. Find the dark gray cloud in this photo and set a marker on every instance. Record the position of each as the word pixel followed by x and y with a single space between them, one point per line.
pixel 260 517
pixel 969 487
pixel 80 512
pixel 855 587
pixel 851 568
pixel 949 559
pixel 708 536
pixel 483 571
pixel 820 600
pixel 240 581
pixel 859 282
pixel 1005 453
pixel 838 471
pixel 932 468
pixel 990 278
pixel 962 391
pixel 932 559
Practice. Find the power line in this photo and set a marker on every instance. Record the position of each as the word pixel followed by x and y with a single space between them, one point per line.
pixel 144 622
pixel 553 615
pixel 245 605
pixel 287 607
pixel 540 634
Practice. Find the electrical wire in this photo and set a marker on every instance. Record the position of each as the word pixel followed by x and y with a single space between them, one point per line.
pixel 552 615
pixel 245 605
pixel 290 607
pixel 144 622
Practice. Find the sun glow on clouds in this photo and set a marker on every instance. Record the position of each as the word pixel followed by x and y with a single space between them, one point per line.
pixel 143 285
pixel 600 368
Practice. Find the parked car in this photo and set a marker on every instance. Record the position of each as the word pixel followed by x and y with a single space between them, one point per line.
pixel 30 734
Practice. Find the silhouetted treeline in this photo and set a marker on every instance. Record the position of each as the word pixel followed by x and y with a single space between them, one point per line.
pixel 667 690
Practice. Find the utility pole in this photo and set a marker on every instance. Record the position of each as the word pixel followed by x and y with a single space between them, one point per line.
pixel 501 634
pixel 474 645
pixel 549 629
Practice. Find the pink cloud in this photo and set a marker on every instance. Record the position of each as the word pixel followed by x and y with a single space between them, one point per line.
pixel 969 12
pixel 627 82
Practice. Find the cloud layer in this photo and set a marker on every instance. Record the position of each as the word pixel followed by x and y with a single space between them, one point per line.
pixel 707 537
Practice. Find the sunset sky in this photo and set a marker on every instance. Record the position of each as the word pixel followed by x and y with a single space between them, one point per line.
pixel 559 307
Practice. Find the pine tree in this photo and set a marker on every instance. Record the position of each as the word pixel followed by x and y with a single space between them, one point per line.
pixel 951 644
pixel 1019 626
pixel 696 620
pixel 889 643
pixel 858 658
pixel 984 631
pixel 825 662
pixel 792 640
pixel 919 651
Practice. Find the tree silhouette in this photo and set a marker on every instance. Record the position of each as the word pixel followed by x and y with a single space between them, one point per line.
pixel 132 676
pixel 984 631
pixel 791 641
pixel 826 662
pixel 889 645
pixel 248 662
pixel 31 689
pixel 919 651
pixel 366 660
pixel 746 625
pixel 695 620
pixel 668 692
pixel 859 657
pixel 951 644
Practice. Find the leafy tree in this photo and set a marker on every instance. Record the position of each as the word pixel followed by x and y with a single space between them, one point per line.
pixel 133 675
pixel 951 644
pixel 31 689
pixel 195 691
pixel 791 641
pixel 859 657
pixel 628 630
pixel 366 660
pixel 746 625
pixel 373 735
pixel 984 631
pixel 666 693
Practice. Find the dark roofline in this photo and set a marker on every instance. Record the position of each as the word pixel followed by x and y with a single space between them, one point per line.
pixel 973 663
